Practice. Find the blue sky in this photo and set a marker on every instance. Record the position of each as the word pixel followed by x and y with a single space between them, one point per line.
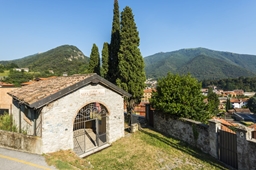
pixel 32 26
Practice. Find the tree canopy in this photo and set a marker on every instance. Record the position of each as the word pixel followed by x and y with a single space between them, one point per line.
pixel 94 62
pixel 228 104
pixel 180 96
pixel 252 104
pixel 114 45
pixel 213 101
pixel 18 77
pixel 131 75
pixel 105 57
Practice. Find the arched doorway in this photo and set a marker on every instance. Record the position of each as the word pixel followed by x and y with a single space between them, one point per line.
pixel 89 128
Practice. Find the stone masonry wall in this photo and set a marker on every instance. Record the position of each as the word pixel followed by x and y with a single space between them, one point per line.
pixel 205 137
pixel 192 132
pixel 58 117
pixel 21 142
pixel 246 149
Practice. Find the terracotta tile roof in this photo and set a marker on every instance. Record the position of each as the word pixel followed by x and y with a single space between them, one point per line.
pixel 27 83
pixel 45 78
pixel 41 89
pixel 239 92
pixel 253 126
pixel 235 101
pixel 223 121
pixel 228 92
pixel 225 125
pixel 139 109
pixel 36 80
pixel 149 90
pixel 3 84
pixel 225 128
pixel 242 110
pixel 35 95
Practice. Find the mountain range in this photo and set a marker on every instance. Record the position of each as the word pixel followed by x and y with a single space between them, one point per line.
pixel 65 58
pixel 201 63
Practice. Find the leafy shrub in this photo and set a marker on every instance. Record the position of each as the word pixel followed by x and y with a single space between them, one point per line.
pixel 6 123
pixel 180 96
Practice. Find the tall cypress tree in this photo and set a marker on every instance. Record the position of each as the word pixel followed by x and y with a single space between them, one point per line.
pixel 94 62
pixel 213 101
pixel 228 104
pixel 131 75
pixel 114 45
pixel 105 57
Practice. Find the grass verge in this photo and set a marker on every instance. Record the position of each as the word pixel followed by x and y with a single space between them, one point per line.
pixel 145 149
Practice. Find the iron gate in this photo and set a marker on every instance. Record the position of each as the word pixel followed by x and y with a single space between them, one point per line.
pixel 227 148
pixel 90 128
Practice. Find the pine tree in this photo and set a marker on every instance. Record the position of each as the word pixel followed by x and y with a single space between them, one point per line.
pixel 114 45
pixel 131 75
pixel 105 57
pixel 94 62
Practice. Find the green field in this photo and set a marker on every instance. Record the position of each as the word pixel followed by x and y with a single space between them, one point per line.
pixel 145 149
pixel 5 73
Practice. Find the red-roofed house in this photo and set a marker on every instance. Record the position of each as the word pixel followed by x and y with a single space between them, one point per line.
pixel 238 103
pixel 253 132
pixel 147 95
pixel 36 80
pixel 239 92
pixel 5 99
pixel 225 125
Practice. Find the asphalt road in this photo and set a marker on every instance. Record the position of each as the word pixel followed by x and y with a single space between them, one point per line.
pixel 16 160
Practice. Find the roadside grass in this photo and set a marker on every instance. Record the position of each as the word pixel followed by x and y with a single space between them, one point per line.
pixel 66 160
pixel 145 149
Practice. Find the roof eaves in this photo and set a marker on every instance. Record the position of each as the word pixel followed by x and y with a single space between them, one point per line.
pixel 92 79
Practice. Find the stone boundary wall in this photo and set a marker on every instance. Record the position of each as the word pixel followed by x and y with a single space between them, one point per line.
pixel 205 137
pixel 246 148
pixel 140 120
pixel 193 132
pixel 21 142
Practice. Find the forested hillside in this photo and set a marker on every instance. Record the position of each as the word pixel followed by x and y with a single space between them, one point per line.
pixel 64 58
pixel 207 68
pixel 247 84
pixel 213 64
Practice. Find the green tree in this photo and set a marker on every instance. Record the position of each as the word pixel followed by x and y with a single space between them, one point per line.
pixel 228 104
pixel 17 77
pixel 105 57
pixel 11 66
pixel 252 104
pixel 213 101
pixel 94 62
pixel 2 68
pixel 180 96
pixel 131 75
pixel 114 45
